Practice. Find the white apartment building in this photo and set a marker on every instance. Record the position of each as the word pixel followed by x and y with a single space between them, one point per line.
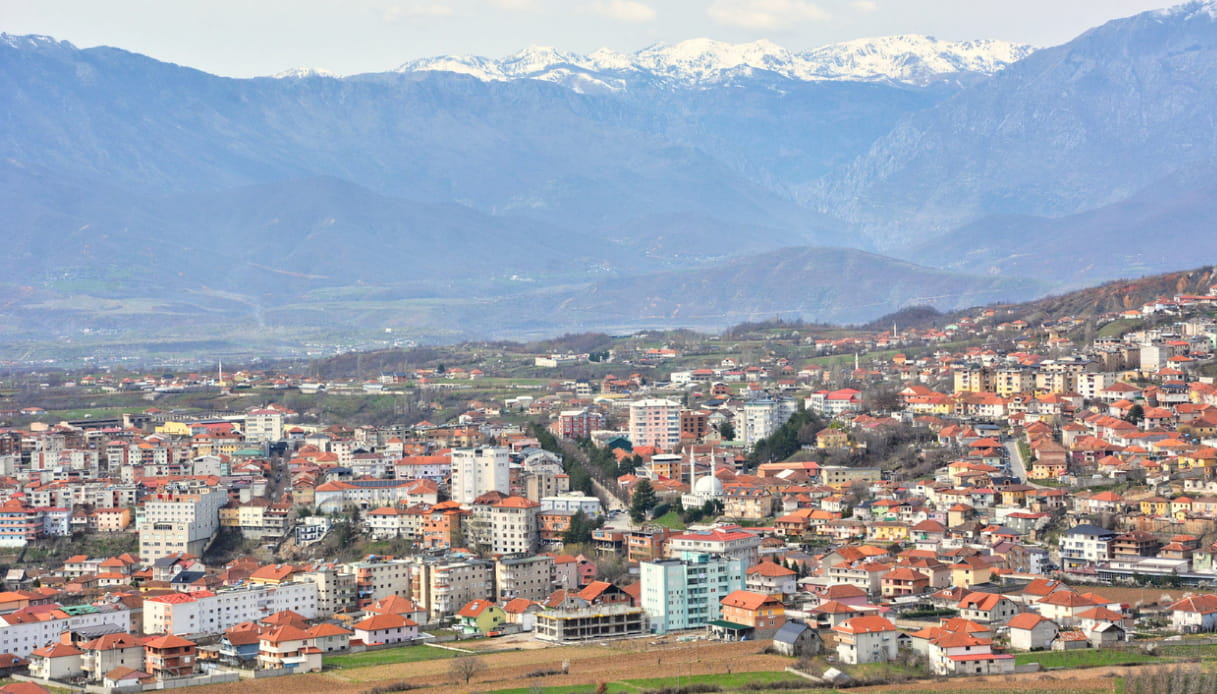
pixel 573 502
pixel 476 471
pixel 513 526
pixel 732 543
pixel 761 418
pixel 205 612
pixel 21 635
pixel 685 593
pixel 264 425
pixel 179 521
pixel 655 422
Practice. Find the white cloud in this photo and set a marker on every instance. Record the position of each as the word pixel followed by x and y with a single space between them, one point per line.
pixel 866 5
pixel 623 10
pixel 418 8
pixel 765 14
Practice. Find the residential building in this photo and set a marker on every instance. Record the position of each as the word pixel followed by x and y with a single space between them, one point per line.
pixel 476 471
pixel 655 422
pixel 686 593
pixel 207 612
pixel 180 520
pixel 869 639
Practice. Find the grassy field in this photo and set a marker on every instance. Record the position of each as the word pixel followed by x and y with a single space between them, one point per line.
pixel 672 520
pixel 1084 658
pixel 389 656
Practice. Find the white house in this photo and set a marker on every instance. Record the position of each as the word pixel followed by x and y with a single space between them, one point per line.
pixel 869 639
pixel 1031 632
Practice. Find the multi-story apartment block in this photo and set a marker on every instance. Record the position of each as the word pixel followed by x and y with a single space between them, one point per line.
pixel 340 494
pixel 375 580
pixel 264 425
pixel 180 520
pixel 513 526
pixel 578 424
pixel 476 471
pixel 685 593
pixel 760 418
pixel 444 587
pixel 1085 544
pixel 528 577
pixel 655 422
pixel 24 631
pixel 205 612
pixel 336 589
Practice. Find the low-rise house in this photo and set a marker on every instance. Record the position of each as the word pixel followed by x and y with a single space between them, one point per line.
pixel 329 637
pixel 987 608
pixel 797 640
pixel 385 629
pixel 870 639
pixel 958 653
pixel 1031 632
pixel 288 647
pixel 771 578
pixel 1197 613
pixel 749 616
pixel 170 656
pixel 110 651
pixel 480 616
pixel 57 661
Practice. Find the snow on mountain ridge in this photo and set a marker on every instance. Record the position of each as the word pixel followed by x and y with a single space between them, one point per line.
pixel 906 58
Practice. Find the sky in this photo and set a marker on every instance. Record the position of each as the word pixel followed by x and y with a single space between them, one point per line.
pixel 245 38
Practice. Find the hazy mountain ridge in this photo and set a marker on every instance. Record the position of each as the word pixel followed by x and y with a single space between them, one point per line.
pixel 1068 129
pixel 136 190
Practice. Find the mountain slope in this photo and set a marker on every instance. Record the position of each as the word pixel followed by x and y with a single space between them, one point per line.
pixel 1067 129
pixel 1166 226
pixel 817 284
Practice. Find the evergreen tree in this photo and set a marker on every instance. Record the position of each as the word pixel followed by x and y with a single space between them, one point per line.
pixel 644 500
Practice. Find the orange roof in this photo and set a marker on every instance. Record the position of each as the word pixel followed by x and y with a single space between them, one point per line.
pixel 328 629
pixel 865 625
pixel 769 569
pixel 167 641
pixel 747 600
pixel 285 633
pixel 474 608
pixel 381 622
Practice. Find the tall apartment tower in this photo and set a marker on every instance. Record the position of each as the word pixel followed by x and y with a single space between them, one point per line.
pixel 476 471
pixel 655 422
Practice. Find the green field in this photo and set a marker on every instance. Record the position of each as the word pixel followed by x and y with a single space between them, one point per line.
pixel 389 656
pixel 1085 658
pixel 672 520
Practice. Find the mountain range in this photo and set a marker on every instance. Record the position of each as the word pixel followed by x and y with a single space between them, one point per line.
pixel 695 184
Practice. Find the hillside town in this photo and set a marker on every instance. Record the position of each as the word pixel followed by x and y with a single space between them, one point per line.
pixel 964 500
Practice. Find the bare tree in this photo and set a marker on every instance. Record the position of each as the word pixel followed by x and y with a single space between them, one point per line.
pixel 466 667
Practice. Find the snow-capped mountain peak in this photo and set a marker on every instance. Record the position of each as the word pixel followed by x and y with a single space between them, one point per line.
pixel 910 59
pixel 303 72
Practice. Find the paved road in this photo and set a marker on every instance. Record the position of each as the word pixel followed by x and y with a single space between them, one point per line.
pixel 1018 466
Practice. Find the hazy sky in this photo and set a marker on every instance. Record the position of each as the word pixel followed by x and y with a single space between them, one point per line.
pixel 258 37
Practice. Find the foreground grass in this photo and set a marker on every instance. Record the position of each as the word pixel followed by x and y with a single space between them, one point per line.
pixel 389 656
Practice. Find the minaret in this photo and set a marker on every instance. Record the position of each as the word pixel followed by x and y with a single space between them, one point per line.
pixel 220 362
pixel 692 472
